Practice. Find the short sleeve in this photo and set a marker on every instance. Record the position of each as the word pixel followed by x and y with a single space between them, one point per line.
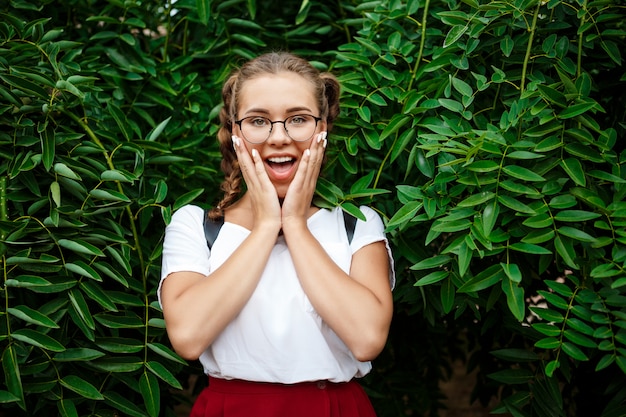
pixel 369 231
pixel 184 245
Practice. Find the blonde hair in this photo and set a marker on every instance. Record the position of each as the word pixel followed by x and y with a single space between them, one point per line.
pixel 326 89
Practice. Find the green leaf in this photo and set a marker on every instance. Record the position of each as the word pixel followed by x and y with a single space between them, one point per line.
pixel 162 373
pixel 574 169
pixel 394 125
pixel 554 300
pixel 485 279
pixel 81 387
pixel 156 132
pixel 576 110
pixel 149 388
pixel 40 340
pixel 81 268
pixel 454 34
pixel 65 171
pixel 432 262
pixel 67 408
pixel 203 8
pixel 576 234
pixel 6 397
pixel 47 147
pixel 447 296
pixel 560 288
pixel 551 367
pixel 547 329
pixel 512 271
pixel 451 226
pixel 120 344
pixel 576 216
pixel 80 246
pixel 187 198
pixel 522 173
pixel 490 217
pixel 605 362
pixel 515 355
pixel 564 247
pixel 477 199
pixel 529 248
pixel 432 278
pixel 12 374
pixel 78 354
pixel 30 315
pixel 515 204
pixel 110 195
pixel 406 213
pixel 548 343
pixel 353 210
pixel 120 119
pixel 512 376
pixel 514 298
pixel 166 352
pixel 579 339
pixel 574 351
pixel 547 314
pixel 118 364
pixel 81 308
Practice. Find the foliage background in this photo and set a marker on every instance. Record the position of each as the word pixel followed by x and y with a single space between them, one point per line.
pixel 489 135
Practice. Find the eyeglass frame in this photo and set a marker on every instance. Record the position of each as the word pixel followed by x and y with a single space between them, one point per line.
pixel 272 122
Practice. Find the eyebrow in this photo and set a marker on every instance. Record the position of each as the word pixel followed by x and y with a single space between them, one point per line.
pixel 289 110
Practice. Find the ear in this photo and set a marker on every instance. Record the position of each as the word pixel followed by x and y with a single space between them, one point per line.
pixel 323 125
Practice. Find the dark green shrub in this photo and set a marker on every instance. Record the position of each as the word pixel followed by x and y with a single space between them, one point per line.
pixel 499 126
pixel 489 136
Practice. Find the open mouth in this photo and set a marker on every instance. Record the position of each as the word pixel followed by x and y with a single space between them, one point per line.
pixel 280 164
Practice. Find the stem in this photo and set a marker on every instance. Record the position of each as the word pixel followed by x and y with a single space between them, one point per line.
pixel 3 203
pixel 529 47
pixel 580 42
pixel 422 42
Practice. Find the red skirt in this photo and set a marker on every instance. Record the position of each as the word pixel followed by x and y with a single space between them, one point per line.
pixel 236 398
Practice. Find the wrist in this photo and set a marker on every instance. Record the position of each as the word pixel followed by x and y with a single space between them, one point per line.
pixel 294 226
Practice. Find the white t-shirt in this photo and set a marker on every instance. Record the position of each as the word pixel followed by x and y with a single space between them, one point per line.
pixel 278 336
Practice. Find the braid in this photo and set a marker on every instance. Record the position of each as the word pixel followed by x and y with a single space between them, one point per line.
pixel 231 185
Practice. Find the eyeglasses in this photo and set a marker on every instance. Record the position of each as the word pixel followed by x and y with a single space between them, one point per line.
pixel 257 129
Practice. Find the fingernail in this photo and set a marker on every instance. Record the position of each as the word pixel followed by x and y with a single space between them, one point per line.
pixel 320 136
pixel 235 141
pixel 325 143
pixel 307 152
pixel 254 153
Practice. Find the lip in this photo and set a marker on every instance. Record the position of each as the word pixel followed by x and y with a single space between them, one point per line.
pixel 277 172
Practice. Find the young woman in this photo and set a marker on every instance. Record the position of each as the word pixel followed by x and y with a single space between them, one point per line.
pixel 283 310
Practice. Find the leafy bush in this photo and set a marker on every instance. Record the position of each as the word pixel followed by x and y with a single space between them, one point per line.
pixel 499 127
pixel 488 135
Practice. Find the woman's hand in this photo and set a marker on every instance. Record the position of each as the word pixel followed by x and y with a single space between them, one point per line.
pixel 262 193
pixel 295 208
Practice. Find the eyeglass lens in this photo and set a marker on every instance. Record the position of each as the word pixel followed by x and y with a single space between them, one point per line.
pixel 258 129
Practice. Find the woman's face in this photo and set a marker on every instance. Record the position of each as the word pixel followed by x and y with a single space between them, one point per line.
pixel 276 97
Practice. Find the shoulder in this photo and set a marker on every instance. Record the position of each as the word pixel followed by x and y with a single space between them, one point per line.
pixel 188 213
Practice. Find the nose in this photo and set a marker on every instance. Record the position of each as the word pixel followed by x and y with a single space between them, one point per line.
pixel 278 135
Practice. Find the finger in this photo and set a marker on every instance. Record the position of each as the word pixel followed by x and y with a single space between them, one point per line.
pixel 246 164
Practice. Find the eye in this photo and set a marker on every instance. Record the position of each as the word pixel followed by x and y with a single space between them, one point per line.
pixel 257 121
pixel 300 119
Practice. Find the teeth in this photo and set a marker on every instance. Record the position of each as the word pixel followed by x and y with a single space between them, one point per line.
pixel 280 159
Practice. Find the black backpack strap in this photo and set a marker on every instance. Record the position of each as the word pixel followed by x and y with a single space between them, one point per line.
pixel 350 223
pixel 211 228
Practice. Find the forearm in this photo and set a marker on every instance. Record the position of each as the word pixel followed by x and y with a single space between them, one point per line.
pixel 358 308
pixel 197 308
